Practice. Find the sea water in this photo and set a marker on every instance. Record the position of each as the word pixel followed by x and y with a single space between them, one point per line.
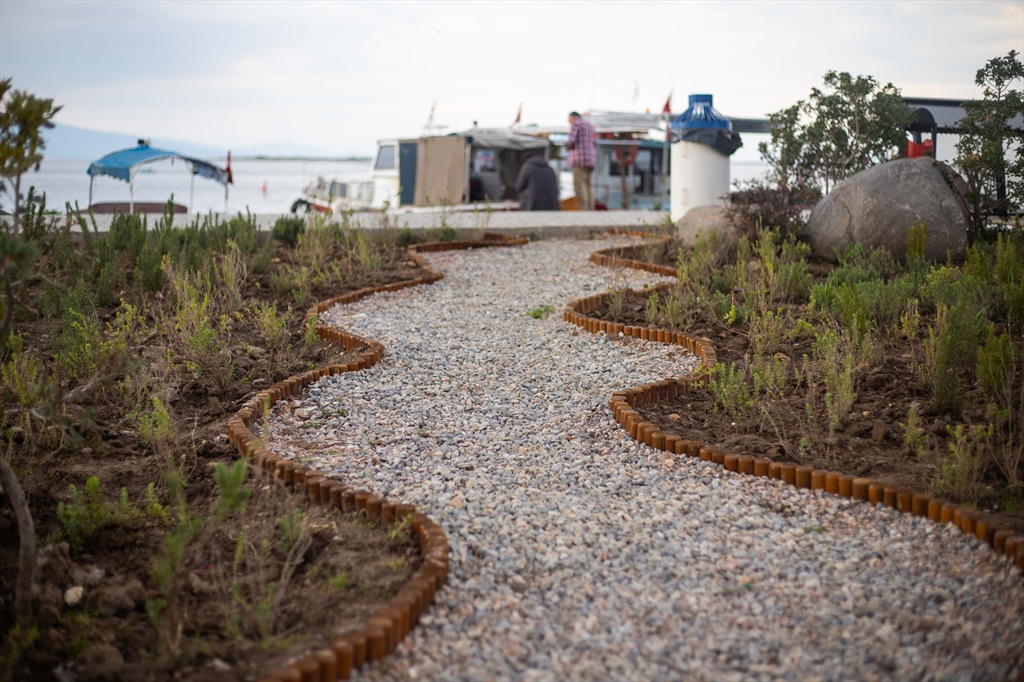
pixel 262 186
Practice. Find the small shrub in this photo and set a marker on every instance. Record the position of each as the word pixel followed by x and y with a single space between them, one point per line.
pixel 950 351
pixel 287 230
pixel 995 368
pixel 292 527
pixel 156 427
pixel 914 436
pixel 86 513
pixel 407 237
pixel 272 327
pixel 339 581
pixel 917 238
pixel 959 474
pixel 232 495
pixel 542 312
pixel 729 387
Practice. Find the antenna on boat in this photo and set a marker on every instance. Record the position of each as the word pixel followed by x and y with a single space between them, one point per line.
pixel 430 128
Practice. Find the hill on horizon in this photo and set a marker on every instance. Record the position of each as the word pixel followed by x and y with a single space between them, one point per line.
pixel 71 142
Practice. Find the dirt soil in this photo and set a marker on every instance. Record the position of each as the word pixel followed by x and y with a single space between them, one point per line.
pixel 343 568
pixel 869 444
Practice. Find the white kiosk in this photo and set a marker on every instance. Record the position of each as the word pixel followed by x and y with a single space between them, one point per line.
pixel 703 140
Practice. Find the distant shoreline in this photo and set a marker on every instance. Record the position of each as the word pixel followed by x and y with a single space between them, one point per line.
pixel 261 157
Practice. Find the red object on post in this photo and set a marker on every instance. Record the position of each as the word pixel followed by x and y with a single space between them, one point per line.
pixel 917 149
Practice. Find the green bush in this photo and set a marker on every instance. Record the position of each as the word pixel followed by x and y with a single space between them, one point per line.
pixel 288 229
pixel 87 512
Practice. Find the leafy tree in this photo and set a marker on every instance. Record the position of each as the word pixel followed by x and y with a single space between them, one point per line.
pixel 989 150
pixel 22 118
pixel 851 124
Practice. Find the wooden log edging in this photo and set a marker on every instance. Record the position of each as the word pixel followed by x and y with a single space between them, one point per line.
pixel 987 528
pixel 390 623
pixel 605 257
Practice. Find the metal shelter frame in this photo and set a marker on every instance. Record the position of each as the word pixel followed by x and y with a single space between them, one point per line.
pixel 124 165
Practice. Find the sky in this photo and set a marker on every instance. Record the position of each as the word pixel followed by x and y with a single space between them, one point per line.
pixel 337 76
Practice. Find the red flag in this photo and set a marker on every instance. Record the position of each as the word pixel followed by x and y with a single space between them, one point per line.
pixel 519 115
pixel 231 178
pixel 667 109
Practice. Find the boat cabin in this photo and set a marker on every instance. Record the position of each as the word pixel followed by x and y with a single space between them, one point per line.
pixel 478 165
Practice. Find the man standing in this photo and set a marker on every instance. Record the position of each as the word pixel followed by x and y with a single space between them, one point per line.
pixel 582 148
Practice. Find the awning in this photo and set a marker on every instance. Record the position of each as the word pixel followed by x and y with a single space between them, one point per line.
pixel 120 164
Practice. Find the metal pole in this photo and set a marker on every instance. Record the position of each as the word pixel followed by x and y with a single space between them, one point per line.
pixel 225 199
pixel 664 163
pixel 91 178
pixel 131 191
pixel 191 191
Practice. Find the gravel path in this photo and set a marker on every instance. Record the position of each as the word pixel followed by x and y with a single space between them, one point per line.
pixel 578 553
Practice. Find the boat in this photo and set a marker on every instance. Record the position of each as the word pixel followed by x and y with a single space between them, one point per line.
pixel 455 172
pixel 125 164
pixel 479 166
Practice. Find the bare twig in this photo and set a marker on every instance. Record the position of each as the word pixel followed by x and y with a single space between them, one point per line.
pixel 26 542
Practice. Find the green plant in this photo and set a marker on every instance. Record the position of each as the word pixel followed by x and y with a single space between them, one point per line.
pixel 153 506
pixel 728 385
pixel 988 151
pixel 163 611
pixel 195 341
pixel 851 124
pixel 287 230
pixel 87 512
pixel 232 495
pixel 231 273
pixel 407 237
pixel 835 367
pixel 444 233
pixel 273 328
pixel 959 474
pixel 766 203
pixel 19 646
pixel 542 312
pixel 996 368
pixel 292 527
pixel 23 117
pixel 950 354
pixel 400 529
pixel 914 436
pixel 766 330
pixel 156 427
pixel 339 581
pixel 917 240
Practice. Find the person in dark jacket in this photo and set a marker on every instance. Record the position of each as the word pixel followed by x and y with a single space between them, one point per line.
pixel 537 186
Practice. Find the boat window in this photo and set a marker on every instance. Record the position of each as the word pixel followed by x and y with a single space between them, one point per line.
pixel 385 158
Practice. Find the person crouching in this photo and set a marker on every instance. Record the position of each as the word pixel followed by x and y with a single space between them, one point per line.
pixel 537 186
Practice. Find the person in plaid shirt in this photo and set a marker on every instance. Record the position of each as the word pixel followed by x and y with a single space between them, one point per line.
pixel 582 148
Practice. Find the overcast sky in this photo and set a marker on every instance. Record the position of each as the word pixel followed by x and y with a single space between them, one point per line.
pixel 337 76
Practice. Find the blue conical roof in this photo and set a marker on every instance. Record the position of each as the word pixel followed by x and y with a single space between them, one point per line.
pixel 701 114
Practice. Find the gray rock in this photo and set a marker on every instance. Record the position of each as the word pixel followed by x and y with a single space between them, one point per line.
pixel 703 219
pixel 877 208
pixel 73 595
pixel 101 662
pixel 113 599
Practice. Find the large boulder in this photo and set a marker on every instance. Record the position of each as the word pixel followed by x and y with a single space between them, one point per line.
pixel 703 219
pixel 878 206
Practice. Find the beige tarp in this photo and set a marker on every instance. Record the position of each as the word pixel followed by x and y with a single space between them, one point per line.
pixel 440 170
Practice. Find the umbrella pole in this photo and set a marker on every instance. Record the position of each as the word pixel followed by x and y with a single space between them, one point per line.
pixel 226 189
pixel 91 178
pixel 191 192
pixel 131 193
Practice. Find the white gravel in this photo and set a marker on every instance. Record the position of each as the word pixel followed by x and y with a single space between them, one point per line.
pixel 578 553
